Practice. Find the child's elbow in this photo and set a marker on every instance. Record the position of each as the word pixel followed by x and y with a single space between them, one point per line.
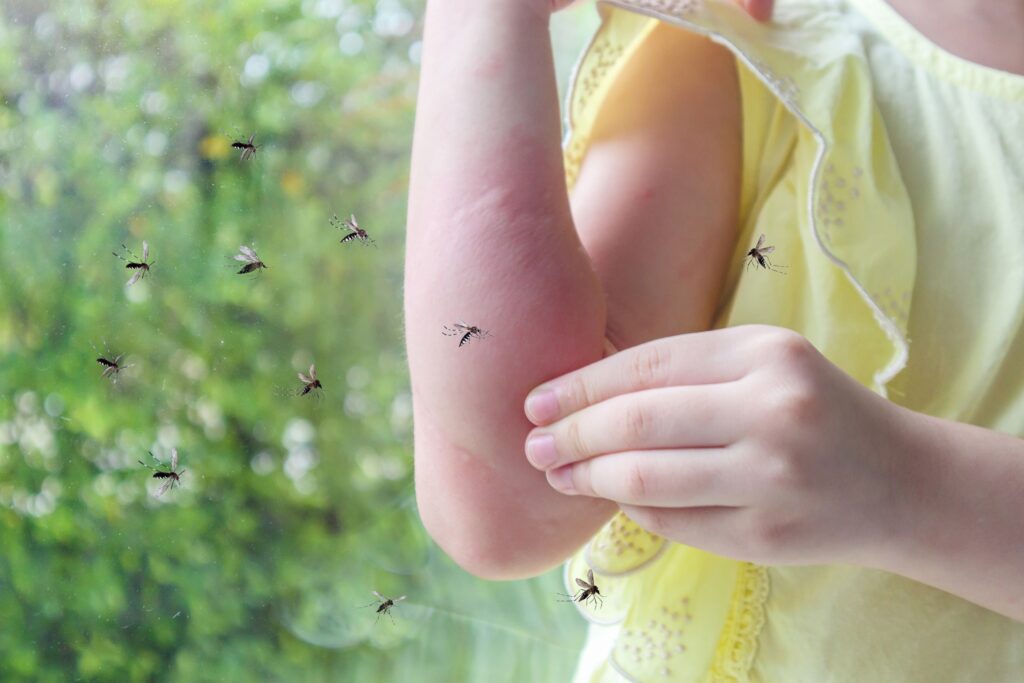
pixel 493 554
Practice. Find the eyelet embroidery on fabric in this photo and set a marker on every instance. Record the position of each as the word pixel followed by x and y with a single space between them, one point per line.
pixel 572 158
pixel 621 547
pixel 606 55
pixel 837 192
pixel 658 645
pixel 894 306
pixel 677 8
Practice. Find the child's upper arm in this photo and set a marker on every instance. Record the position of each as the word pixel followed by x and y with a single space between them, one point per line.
pixel 655 206
pixel 657 198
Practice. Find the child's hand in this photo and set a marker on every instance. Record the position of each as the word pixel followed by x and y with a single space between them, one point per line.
pixel 743 441
pixel 759 9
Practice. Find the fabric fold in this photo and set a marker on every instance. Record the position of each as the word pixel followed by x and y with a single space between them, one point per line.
pixel 820 180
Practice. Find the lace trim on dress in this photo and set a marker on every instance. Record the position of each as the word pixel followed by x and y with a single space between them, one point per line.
pixel 735 655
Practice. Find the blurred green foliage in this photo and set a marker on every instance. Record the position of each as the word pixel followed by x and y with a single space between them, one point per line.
pixel 116 119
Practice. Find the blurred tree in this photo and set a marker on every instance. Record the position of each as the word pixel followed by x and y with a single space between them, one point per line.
pixel 116 120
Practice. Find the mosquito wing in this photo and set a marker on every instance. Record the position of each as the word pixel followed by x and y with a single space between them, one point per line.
pixel 249 252
pixel 767 250
pixel 166 485
pixel 760 241
pixel 380 597
pixel 145 250
pixel 174 459
pixel 135 278
pixel 304 379
pixel 590 576
pixel 582 584
pixel 251 138
pixel 312 373
pixel 243 258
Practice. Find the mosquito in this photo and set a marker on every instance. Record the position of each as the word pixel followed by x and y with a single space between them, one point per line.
pixel 588 591
pixel 173 476
pixel 252 262
pixel 248 148
pixel 111 367
pixel 467 331
pixel 759 256
pixel 384 605
pixel 309 381
pixel 141 266
pixel 352 224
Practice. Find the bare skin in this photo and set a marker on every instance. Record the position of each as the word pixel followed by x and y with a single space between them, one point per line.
pixel 492 235
pixel 980 31
pixel 492 238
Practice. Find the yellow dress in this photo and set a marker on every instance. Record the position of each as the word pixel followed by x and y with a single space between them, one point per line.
pixel 889 176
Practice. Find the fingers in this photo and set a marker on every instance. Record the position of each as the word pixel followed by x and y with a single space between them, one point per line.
pixel 760 10
pixel 670 478
pixel 700 358
pixel 717 530
pixel 672 417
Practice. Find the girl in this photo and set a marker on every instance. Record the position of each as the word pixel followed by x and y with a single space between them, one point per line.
pixel 804 475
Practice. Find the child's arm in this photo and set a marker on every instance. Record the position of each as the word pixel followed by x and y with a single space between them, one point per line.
pixel 491 240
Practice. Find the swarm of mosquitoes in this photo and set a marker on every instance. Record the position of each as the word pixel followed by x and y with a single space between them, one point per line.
pixel 112 364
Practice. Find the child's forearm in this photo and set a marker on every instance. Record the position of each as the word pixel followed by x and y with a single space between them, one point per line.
pixel 491 241
pixel 962 532
pixel 490 237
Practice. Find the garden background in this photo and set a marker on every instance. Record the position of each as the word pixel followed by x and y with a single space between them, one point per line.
pixel 116 119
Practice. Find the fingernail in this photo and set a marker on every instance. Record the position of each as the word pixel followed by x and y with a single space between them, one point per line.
pixel 542 406
pixel 561 479
pixel 541 450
